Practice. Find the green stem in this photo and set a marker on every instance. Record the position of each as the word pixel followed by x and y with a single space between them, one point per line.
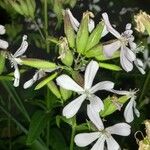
pixel 46 24
pixel 146 84
pixel 72 138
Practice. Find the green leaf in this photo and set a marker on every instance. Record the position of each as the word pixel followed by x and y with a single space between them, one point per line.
pixel 70 121
pixel 37 125
pixel 66 94
pixel 2 63
pixel 109 66
pixel 37 63
pixel 45 81
pixel 111 103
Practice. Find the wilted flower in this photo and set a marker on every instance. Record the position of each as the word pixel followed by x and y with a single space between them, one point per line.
pixel 85 93
pixel 15 61
pixel 130 109
pixel 3 44
pixel 125 42
pixel 37 76
pixel 103 134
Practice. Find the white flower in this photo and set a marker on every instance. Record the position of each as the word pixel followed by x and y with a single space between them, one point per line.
pixel 124 42
pixel 3 44
pixel 85 93
pixel 130 109
pixel 103 134
pixel 146 59
pixel 37 76
pixel 14 59
pixel 140 65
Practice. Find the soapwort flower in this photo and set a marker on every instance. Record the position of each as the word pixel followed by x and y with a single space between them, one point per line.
pixel 124 42
pixel 14 59
pixel 130 108
pixel 86 92
pixel 103 134
pixel 3 44
pixel 146 59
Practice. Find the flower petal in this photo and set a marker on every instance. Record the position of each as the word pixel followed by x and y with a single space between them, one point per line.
pixel 73 20
pixel 91 25
pixel 104 85
pixel 90 73
pixel 16 75
pixel 109 27
pixel 84 139
pixel 105 31
pixel 139 64
pixel 2 30
pixel 120 92
pixel 24 45
pixel 72 108
pixel 125 63
pixel 99 145
pixel 136 110
pixel 122 129
pixel 94 117
pixel 96 103
pixel 67 83
pixel 109 49
pixel 3 44
pixel 129 54
pixel 128 112
pixel 112 144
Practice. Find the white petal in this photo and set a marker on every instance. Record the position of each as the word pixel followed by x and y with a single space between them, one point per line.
pixel 104 85
pixel 21 50
pixel 94 117
pixel 136 110
pixel 28 83
pixel 85 139
pixel 90 73
pixel 139 64
pixel 109 27
pixel 112 144
pixel 128 112
pixel 67 83
pixel 16 75
pixel 2 30
pixel 73 20
pixel 128 26
pixel 120 92
pixel 3 44
pixel 91 25
pixel 72 108
pixel 99 145
pixel 96 103
pixel 145 54
pixel 125 63
pixel 129 54
pixel 122 129
pixel 109 49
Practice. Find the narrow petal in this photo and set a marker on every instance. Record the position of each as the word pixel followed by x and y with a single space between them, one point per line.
pixel 128 26
pixel 73 20
pixel 16 75
pixel 128 112
pixel 96 103
pixel 67 83
pixel 84 139
pixel 109 27
pixel 99 145
pixel 145 54
pixel 139 64
pixel 90 73
pixel 104 85
pixel 72 108
pixel 136 110
pixel 28 83
pixel 24 45
pixel 122 129
pixel 112 144
pixel 2 30
pixel 3 44
pixel 119 92
pixel 109 49
pixel 91 25
pixel 105 31
pixel 94 117
pixel 130 55
pixel 125 63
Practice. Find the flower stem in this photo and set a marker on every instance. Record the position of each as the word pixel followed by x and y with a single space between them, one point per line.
pixel 72 138
pixel 146 84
